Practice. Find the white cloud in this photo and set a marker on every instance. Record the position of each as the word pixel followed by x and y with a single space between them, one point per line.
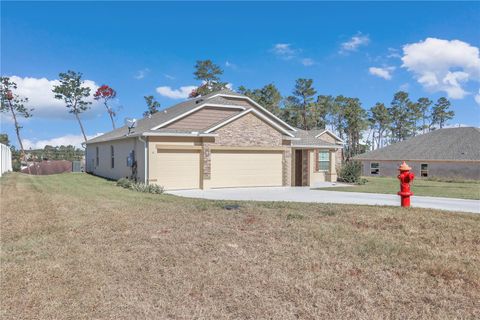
pixel 443 65
pixel 169 77
pixel 181 93
pixel 393 53
pixel 41 98
pixel 141 74
pixel 354 43
pixel 307 62
pixel 69 139
pixel 385 73
pixel 229 64
pixel 477 97
pixel 285 51
pixel 405 86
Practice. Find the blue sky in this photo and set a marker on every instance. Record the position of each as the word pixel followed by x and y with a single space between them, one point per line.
pixel 367 50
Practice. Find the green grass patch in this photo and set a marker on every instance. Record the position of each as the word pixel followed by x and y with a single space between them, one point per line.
pixel 420 187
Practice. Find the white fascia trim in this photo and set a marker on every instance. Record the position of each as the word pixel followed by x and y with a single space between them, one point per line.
pixel 196 109
pixel 329 132
pixel 316 147
pixel 173 134
pixel 256 104
pixel 244 113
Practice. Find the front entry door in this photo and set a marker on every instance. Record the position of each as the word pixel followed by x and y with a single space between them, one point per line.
pixel 298 168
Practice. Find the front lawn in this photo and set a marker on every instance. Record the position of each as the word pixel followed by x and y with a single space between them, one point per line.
pixel 420 187
pixel 74 246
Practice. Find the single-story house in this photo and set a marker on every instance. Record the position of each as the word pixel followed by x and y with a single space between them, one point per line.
pixel 223 139
pixel 442 153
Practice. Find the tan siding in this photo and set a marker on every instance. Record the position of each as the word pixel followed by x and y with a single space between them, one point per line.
pixel 203 119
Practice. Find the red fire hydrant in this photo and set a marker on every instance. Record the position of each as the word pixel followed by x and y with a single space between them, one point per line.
pixel 405 177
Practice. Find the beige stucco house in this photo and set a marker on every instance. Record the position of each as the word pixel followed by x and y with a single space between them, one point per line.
pixel 223 139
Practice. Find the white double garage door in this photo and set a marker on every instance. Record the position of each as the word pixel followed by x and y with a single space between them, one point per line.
pixel 181 169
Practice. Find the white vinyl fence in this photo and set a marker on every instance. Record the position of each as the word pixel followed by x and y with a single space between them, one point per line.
pixel 5 159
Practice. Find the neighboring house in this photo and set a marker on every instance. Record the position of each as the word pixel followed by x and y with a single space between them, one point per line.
pixel 444 153
pixel 223 139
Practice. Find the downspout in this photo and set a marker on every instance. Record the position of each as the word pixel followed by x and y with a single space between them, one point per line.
pixel 146 159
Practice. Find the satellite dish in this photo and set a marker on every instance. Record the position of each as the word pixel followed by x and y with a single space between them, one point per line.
pixel 130 123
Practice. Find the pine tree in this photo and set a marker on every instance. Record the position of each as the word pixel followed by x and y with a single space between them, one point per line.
pixel 440 112
pixel 302 102
pixel 15 105
pixel 152 105
pixel 73 94
pixel 209 74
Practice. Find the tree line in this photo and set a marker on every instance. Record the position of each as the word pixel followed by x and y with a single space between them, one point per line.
pixel 305 108
pixel 48 152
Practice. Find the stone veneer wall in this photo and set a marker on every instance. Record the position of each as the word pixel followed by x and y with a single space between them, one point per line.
pixel 305 167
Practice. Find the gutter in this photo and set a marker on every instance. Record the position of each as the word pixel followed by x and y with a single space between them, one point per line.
pixel 316 146
pixel 146 159
pixel 174 134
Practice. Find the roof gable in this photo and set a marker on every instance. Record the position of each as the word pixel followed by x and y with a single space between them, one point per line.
pixel 256 113
pixel 159 121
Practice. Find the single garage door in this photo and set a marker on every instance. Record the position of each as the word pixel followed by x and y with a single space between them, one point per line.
pixel 177 169
pixel 246 168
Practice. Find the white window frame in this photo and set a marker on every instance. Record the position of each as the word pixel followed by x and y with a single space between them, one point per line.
pixel 97 156
pixel 422 171
pixel 377 168
pixel 323 161
pixel 112 157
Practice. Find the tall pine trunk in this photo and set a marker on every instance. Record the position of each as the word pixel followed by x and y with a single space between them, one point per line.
pixel 110 113
pixel 20 143
pixel 81 126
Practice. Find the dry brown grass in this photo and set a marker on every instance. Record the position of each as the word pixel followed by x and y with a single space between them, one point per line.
pixel 77 247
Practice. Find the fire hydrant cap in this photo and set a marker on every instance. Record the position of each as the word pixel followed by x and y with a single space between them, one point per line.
pixel 404 167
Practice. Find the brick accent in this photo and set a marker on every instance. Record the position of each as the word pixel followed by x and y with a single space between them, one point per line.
pixel 287 167
pixel 207 167
pixel 305 167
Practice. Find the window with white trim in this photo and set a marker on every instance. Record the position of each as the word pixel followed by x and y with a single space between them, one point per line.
pixel 97 157
pixel 112 156
pixel 424 170
pixel 374 168
pixel 323 160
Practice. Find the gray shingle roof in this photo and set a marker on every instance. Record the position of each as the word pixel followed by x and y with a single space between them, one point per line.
pixel 145 124
pixel 443 144
pixel 307 138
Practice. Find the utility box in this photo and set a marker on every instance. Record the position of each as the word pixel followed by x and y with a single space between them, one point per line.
pixel 76 166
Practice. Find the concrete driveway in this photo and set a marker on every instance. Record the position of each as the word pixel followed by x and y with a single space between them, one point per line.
pixel 305 194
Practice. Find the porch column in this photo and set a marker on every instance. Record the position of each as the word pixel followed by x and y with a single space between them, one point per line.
pixel 332 172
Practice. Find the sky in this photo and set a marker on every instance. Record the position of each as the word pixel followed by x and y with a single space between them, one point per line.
pixel 367 50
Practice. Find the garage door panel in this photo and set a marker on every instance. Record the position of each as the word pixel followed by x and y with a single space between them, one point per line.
pixel 246 169
pixel 177 169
